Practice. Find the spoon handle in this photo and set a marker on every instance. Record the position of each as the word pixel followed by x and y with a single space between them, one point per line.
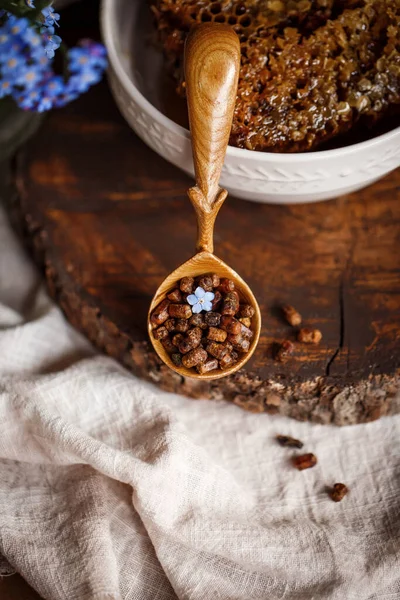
pixel 212 62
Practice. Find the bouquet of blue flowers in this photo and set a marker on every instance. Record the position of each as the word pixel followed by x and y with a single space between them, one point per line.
pixel 28 43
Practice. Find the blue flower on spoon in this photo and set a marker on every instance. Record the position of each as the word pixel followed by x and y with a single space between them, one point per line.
pixel 200 300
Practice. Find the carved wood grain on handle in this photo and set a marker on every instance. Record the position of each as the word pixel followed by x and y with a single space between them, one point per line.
pixel 212 62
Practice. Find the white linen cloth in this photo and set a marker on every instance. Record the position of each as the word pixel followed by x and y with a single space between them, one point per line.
pixel 111 489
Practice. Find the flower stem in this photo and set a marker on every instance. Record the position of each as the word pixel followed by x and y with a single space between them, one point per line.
pixel 64 52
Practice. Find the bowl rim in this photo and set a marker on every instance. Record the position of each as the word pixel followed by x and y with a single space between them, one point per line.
pixel 108 26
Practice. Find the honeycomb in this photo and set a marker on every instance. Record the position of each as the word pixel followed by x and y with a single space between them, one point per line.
pixel 310 69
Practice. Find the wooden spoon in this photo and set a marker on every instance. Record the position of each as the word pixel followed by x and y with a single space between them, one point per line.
pixel 212 61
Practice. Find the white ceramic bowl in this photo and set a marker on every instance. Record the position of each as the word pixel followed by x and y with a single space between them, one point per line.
pixel 135 72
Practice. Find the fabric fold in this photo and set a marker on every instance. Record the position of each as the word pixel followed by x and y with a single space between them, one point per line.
pixel 112 489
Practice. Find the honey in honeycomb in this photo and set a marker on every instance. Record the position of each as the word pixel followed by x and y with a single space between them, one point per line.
pixel 310 69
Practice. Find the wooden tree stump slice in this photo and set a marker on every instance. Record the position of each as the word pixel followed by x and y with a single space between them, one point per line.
pixel 107 220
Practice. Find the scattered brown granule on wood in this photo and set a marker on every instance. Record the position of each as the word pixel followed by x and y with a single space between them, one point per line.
pixel 309 336
pixel 284 350
pixel 292 316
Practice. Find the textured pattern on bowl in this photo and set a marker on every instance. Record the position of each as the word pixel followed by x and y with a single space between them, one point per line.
pixel 261 177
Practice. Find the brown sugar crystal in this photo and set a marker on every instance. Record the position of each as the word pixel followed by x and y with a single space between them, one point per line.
pixel 212 319
pixel 176 359
pixel 228 345
pixel 216 335
pixel 160 313
pixel 226 286
pixel 230 304
pixel 185 346
pixel 170 324
pixel 182 325
pixel 198 321
pixel 288 442
pixel 206 282
pixel 292 316
pixel 226 361
pixel 181 311
pixel 194 357
pixel 206 367
pixel 186 285
pixel 215 280
pixel 175 295
pixel 304 461
pixel 194 336
pixel 311 69
pixel 246 321
pixel 160 333
pixel 230 324
pixel 239 342
pixel 177 339
pixel 217 350
pixel 338 492
pixel 309 336
pixel 284 350
pixel 246 310
pixel 246 331
pixel 168 345
pixel 217 300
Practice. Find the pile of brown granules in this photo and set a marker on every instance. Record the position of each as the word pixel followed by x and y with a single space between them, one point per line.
pixel 310 69
pixel 202 324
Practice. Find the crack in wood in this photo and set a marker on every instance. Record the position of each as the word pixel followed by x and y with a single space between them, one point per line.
pixel 342 291
pixel 104 292
pixel 341 327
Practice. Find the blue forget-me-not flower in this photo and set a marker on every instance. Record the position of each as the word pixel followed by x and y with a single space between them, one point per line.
pixel 200 300
pixel 26 70
pixel 50 17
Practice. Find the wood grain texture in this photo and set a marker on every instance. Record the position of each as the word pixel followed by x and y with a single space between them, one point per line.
pixel 107 220
pixel 212 61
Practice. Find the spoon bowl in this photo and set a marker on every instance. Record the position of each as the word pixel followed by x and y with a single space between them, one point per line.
pixel 200 263
pixel 212 62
